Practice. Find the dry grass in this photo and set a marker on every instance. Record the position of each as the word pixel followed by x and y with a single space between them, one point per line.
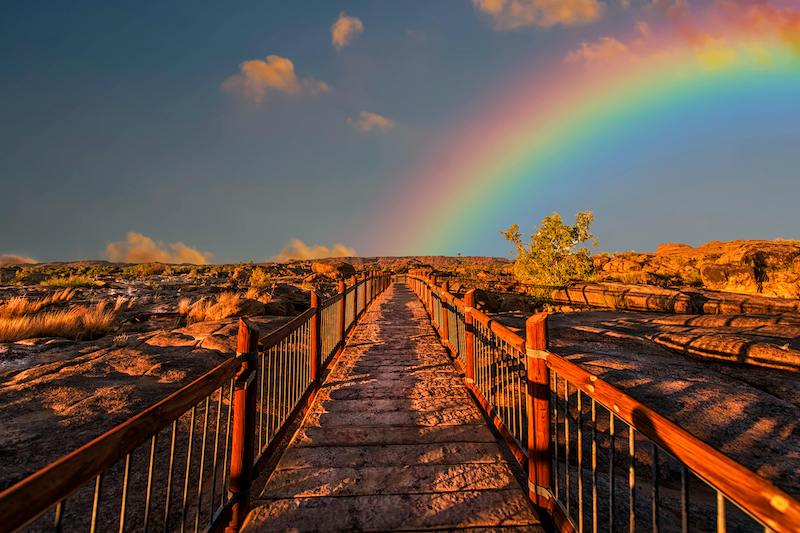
pixel 74 323
pixel 253 293
pixel 183 305
pixel 69 281
pixel 226 305
pixel 259 278
pixel 21 306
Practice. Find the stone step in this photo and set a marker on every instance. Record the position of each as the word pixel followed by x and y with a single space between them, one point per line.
pixel 405 479
pixel 449 510
pixel 353 456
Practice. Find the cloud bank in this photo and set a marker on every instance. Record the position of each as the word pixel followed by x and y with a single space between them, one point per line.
pixel 726 33
pixel 514 14
pixel 138 248
pixel 367 121
pixel 345 29
pixel 11 259
pixel 258 78
pixel 297 249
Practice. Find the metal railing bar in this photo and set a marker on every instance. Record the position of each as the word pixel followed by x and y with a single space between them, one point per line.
pixel 123 504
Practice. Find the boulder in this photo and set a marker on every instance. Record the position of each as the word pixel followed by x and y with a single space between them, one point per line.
pixel 249 307
pixel 333 269
pixel 279 307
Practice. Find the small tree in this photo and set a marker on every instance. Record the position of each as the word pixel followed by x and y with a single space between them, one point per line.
pixel 551 258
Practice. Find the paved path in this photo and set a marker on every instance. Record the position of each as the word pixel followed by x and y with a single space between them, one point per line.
pixel 393 442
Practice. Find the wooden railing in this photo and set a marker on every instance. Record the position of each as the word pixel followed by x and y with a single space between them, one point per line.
pixel 187 462
pixel 595 457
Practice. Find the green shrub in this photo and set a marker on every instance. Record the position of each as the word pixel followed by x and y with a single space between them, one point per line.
pixel 552 257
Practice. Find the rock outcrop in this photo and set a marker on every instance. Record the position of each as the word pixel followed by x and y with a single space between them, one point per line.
pixel 767 268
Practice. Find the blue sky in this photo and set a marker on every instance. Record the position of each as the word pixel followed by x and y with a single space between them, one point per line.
pixel 113 120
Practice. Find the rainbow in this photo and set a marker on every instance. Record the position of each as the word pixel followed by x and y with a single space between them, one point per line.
pixel 551 116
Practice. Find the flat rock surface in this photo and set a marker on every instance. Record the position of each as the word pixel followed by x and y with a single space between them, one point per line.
pixel 80 390
pixel 393 442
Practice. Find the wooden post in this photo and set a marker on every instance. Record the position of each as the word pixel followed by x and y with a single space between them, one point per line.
pixel 342 289
pixel 538 408
pixel 469 338
pixel 445 329
pixel 316 341
pixel 244 411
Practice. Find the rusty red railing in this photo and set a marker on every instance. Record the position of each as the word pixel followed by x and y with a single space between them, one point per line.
pixel 595 457
pixel 187 463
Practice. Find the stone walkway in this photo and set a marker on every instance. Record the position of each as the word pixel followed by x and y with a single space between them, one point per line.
pixel 393 442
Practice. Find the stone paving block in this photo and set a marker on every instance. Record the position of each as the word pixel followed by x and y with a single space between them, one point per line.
pixel 475 509
pixel 353 456
pixel 348 436
pixel 402 479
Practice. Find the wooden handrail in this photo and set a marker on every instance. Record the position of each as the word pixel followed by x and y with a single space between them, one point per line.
pixel 755 495
pixel 61 478
pixel 274 337
pixel 742 486
pixel 27 499
pixel 504 333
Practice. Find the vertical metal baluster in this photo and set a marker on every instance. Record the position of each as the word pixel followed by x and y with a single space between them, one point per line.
pixel 656 521
pixel 123 504
pixel 223 492
pixel 580 460
pixel 611 491
pixel 285 376
pixel 215 456
pixel 594 466
pixel 294 372
pixel 505 359
pixel 631 479
pixel 721 522
pixel 169 474
pixel 282 384
pixel 59 517
pixel 184 500
pixel 273 372
pixel 567 494
pixel 261 404
pixel 555 434
pixel 202 468
pixel 98 485
pixel 149 491
pixel 684 499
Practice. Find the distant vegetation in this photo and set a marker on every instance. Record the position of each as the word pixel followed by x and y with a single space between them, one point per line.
pixel 554 256
pixel 68 281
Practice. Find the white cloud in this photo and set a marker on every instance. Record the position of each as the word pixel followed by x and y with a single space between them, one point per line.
pixel 297 249
pixel 11 259
pixel 138 248
pixel 367 121
pixel 257 78
pixel 345 29
pixel 513 14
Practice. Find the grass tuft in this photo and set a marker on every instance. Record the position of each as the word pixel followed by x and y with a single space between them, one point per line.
pixel 20 306
pixel 74 323
pixel 226 305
